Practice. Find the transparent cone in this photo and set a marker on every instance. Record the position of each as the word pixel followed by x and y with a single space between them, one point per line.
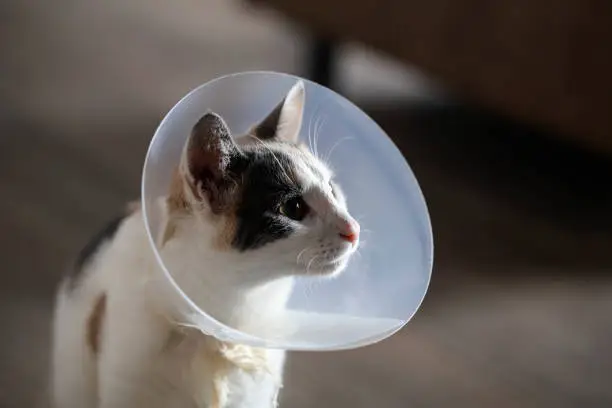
pixel 383 284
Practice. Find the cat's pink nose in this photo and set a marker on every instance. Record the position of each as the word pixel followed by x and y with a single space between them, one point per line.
pixel 350 231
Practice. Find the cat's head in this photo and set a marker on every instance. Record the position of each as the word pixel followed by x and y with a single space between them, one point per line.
pixel 262 200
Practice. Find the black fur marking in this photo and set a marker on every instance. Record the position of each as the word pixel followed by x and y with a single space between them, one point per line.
pixel 91 248
pixel 266 186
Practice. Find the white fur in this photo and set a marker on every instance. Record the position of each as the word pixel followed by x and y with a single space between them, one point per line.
pixel 138 365
pixel 148 356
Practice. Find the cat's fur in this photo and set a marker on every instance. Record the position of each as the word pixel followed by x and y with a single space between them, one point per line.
pixel 234 238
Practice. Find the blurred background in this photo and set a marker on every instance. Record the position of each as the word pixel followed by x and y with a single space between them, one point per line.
pixel 501 108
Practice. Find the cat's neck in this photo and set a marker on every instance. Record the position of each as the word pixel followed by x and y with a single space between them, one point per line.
pixel 221 285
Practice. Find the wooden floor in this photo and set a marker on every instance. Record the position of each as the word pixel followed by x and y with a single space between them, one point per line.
pixel 519 312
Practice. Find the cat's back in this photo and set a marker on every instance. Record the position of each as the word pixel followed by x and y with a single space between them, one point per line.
pixel 118 250
pixel 81 306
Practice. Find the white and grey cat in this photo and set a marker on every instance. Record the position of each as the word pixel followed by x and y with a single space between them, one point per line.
pixel 243 217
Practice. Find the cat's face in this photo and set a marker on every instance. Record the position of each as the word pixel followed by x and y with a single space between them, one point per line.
pixel 273 205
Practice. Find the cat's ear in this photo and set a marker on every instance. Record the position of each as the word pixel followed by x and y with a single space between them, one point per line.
pixel 285 121
pixel 208 158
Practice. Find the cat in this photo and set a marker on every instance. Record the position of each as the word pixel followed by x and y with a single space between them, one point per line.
pixel 244 216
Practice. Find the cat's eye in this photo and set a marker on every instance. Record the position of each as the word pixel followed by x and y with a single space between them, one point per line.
pixel 295 208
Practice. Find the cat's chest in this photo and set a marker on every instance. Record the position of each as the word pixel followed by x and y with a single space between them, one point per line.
pixel 210 374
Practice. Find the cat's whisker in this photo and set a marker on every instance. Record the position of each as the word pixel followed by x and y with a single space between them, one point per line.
pixel 311 130
pixel 313 120
pixel 362 244
pixel 308 130
pixel 308 133
pixel 360 218
pixel 302 253
pixel 314 136
pixel 358 254
pixel 310 263
pixel 317 133
pixel 335 145
pixel 366 232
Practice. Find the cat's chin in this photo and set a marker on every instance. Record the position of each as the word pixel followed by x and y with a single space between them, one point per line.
pixel 328 270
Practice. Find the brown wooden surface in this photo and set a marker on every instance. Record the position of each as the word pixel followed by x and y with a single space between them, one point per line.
pixel 548 62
